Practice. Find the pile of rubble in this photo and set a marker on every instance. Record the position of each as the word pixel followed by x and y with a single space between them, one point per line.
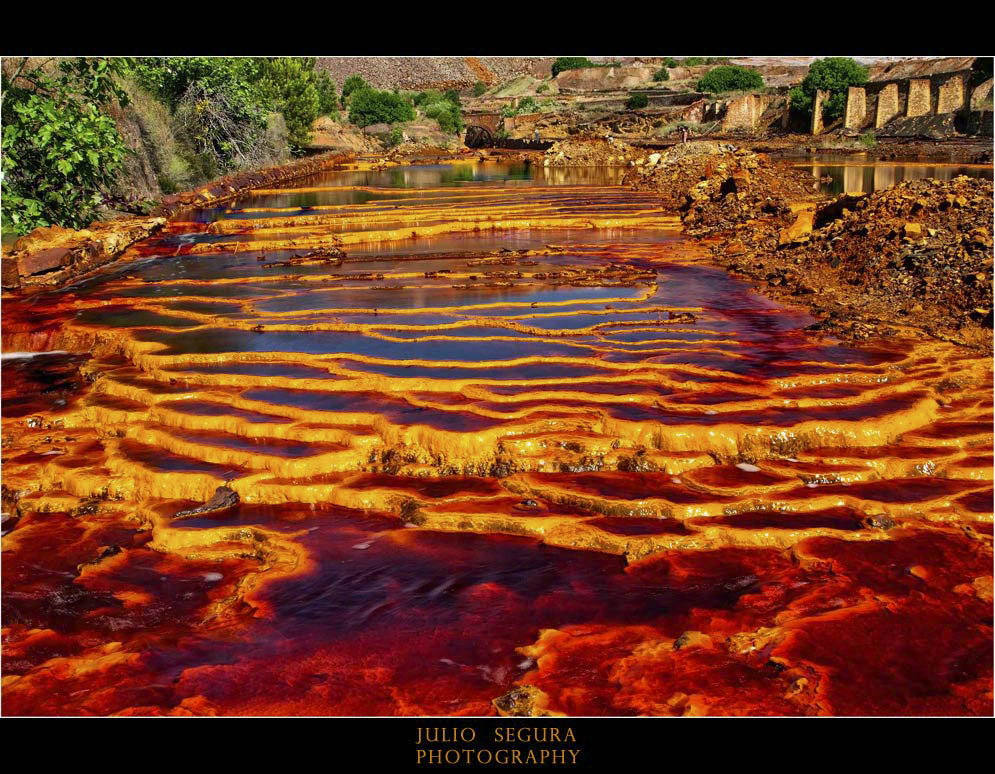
pixel 918 254
pixel 716 186
pixel 590 151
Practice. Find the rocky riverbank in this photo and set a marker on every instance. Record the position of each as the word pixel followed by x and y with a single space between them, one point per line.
pixel 916 257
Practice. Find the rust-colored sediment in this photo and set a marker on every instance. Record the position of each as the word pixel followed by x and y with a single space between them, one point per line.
pixel 499 447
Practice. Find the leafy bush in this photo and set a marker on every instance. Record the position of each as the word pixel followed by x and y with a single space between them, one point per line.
pixel 60 151
pixel 425 97
pixel 636 101
pixel 571 63
pixel 396 137
pixel 661 75
pixel 525 106
pixel 371 106
pixel 447 114
pixel 542 88
pixel 669 61
pixel 479 88
pixel 868 139
pixel 730 78
pixel 835 74
pixel 351 85
pixel 452 96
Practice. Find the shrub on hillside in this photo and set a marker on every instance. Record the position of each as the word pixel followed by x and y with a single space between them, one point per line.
pixel 372 106
pixel 636 101
pixel 351 85
pixel 730 78
pixel 447 114
pixel 525 106
pixel 479 88
pixel 661 75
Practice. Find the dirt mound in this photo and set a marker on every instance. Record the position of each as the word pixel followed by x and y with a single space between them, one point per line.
pixel 344 137
pixel 717 186
pixel 590 151
pixel 918 254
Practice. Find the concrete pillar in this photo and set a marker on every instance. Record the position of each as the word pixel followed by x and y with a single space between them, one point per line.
pixel 887 105
pixel 820 97
pixel 919 98
pixel 952 95
pixel 856 108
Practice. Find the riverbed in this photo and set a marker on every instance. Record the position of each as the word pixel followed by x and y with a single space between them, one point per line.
pixel 495 430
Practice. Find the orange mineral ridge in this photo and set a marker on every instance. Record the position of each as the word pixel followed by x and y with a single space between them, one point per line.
pixel 476 440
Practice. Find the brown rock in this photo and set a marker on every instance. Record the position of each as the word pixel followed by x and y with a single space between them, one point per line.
pixel 43 260
pixel 799 230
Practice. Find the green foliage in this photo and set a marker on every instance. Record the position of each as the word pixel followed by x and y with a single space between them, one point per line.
pixel 868 139
pixel 370 106
pixel 170 78
pixel 542 88
pixel 730 78
pixel 571 63
pixel 443 107
pixel 479 88
pixel 669 61
pixel 218 106
pixel 525 106
pixel 425 97
pixel 351 85
pixel 636 101
pixel 290 84
pixel 395 138
pixel 447 114
pixel 661 75
pixel 697 61
pixel 833 74
pixel 327 98
pixel 60 152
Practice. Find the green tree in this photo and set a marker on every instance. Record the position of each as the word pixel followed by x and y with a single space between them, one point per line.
pixel 730 78
pixel 479 88
pixel 60 153
pixel 571 63
pixel 291 85
pixel 371 106
pixel 327 98
pixel 636 101
pixel 352 84
pixel 661 75
pixel 835 74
